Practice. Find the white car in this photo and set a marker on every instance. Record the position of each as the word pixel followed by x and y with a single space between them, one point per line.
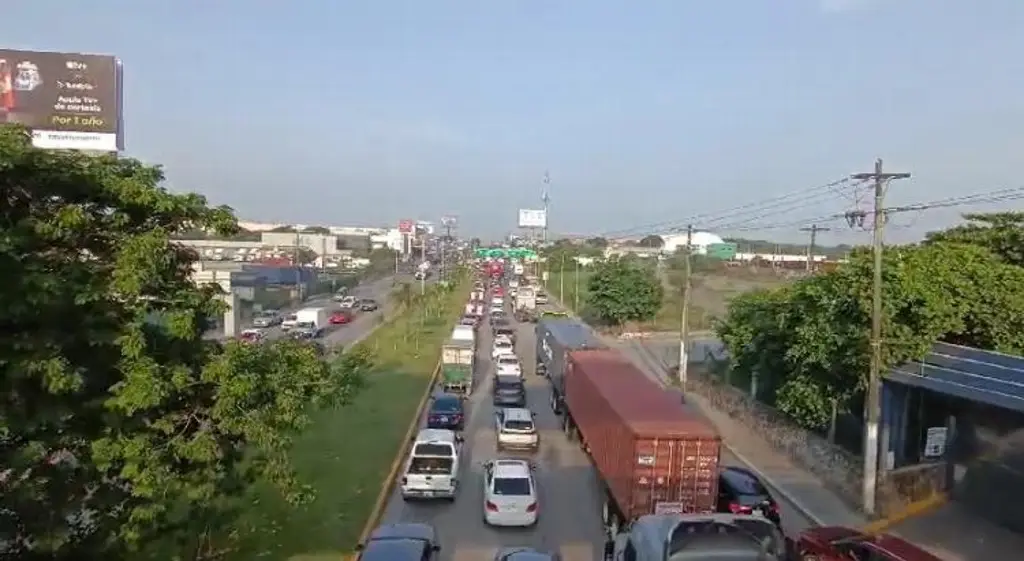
pixel 510 493
pixel 290 321
pixel 497 302
pixel 502 347
pixel 508 365
pixel 348 302
pixel 515 429
pixel 432 470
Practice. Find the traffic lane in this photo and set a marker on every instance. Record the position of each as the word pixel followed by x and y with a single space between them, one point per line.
pixel 569 520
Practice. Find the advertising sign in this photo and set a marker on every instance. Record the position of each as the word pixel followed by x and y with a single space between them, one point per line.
pixel 406 226
pixel 69 101
pixel 532 218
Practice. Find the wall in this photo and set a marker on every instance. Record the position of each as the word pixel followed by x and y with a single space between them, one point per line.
pixel 317 243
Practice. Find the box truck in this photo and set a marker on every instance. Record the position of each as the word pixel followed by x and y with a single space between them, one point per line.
pixel 317 316
pixel 652 454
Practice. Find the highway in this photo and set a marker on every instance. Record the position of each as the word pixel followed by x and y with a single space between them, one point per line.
pixel 570 521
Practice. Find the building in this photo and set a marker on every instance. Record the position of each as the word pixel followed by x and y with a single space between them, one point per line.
pixel 390 238
pixel 700 242
pixel 320 244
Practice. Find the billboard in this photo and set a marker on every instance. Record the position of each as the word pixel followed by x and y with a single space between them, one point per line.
pixel 406 226
pixel 69 101
pixel 532 218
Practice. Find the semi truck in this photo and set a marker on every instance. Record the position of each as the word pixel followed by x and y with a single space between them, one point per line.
pixel 457 362
pixel 557 336
pixel 651 453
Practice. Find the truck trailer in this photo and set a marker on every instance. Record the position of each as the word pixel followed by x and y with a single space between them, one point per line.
pixel 652 454
pixel 556 336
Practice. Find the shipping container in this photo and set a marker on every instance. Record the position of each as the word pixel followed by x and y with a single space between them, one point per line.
pixel 555 337
pixel 652 453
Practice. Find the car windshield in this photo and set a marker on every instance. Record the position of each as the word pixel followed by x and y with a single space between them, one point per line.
pixel 446 405
pixel 305 325
pixel 512 486
pixel 519 425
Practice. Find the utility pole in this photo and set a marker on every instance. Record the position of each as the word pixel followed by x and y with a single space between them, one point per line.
pixel 423 259
pixel 576 290
pixel 872 404
pixel 561 282
pixel 814 229
pixel 544 198
pixel 684 316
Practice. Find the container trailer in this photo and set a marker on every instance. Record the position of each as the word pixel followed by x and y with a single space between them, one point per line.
pixel 652 454
pixel 555 337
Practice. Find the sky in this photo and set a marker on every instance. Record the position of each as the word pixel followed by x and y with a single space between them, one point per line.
pixel 643 112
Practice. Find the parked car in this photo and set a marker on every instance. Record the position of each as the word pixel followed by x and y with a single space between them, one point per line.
pixel 341 317
pixel 836 543
pixel 741 492
pixel 446 412
pixel 408 541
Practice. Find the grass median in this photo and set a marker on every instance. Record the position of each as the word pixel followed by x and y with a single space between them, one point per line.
pixel 346 452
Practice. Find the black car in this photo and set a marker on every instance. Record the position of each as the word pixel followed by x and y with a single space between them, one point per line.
pixel 446 412
pixel 741 492
pixel 525 554
pixel 400 542
pixel 509 391
pixel 368 305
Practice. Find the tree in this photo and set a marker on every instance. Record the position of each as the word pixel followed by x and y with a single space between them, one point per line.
pixel 598 242
pixel 475 243
pixel 120 424
pixel 1002 233
pixel 284 229
pixel 316 230
pixel 619 292
pixel 653 241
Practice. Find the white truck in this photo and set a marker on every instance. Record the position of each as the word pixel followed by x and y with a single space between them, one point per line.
pixel 317 316
pixel 526 304
pixel 464 333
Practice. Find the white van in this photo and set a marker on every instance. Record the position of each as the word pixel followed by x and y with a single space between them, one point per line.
pixel 433 467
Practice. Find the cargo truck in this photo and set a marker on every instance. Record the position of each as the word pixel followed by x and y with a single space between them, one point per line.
pixel 651 453
pixel 457 361
pixel 526 304
pixel 556 337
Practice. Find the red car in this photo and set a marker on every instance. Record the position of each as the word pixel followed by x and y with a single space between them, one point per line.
pixel 836 543
pixel 341 318
pixel 498 291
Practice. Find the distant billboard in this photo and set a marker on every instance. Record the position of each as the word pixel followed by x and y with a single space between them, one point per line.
pixel 533 218
pixel 70 101
pixel 406 226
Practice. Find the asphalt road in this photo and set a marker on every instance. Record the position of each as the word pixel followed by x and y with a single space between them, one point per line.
pixel 569 521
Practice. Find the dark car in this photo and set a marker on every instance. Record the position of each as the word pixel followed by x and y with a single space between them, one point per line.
pixel 525 554
pixel 509 391
pixel 400 542
pixel 368 305
pixel 836 543
pixel 446 412
pixel 741 492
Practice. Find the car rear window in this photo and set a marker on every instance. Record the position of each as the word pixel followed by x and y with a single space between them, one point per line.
pixel 514 486
pixel 508 384
pixel 519 425
pixel 508 360
pixel 743 483
pixel 446 404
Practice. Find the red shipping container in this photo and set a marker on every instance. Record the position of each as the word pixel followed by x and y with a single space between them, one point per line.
pixel 653 453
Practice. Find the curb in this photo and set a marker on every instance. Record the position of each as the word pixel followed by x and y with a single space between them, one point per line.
pixel 917 508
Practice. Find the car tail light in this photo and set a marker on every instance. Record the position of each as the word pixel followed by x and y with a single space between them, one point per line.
pixel 737 508
pixel 405 480
pixel 532 507
pixel 491 507
pixel 773 507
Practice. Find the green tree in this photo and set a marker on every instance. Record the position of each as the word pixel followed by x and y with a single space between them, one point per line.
pixel 653 241
pixel 120 424
pixel 619 292
pixel 1002 233
pixel 597 242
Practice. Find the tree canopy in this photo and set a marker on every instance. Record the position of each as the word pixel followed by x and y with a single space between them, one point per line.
pixel 121 426
pixel 653 241
pixel 808 342
pixel 620 291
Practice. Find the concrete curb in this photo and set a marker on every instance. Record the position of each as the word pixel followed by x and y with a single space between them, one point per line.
pixel 917 508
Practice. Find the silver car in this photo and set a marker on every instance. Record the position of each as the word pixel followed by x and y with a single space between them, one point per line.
pixel 267 318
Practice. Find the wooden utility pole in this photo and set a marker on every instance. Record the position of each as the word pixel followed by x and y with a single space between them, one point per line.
pixel 814 229
pixel 576 288
pixel 561 281
pixel 684 319
pixel 872 403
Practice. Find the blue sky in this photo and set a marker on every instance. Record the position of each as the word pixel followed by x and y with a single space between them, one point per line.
pixel 351 112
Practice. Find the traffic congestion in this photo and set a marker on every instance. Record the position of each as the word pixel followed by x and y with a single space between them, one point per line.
pixel 541 442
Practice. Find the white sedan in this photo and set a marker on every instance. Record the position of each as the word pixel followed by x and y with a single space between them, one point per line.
pixel 508 365
pixel 502 347
pixel 510 493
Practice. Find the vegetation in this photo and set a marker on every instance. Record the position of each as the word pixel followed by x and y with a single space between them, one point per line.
pixel 347 451
pixel 121 427
pixel 808 342
pixel 620 292
pixel 652 241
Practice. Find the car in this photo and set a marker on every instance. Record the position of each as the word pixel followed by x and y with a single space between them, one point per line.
pixel 348 302
pixel 289 322
pixel 541 297
pixel 432 470
pixel 837 543
pixel 251 336
pixel 266 318
pixel 497 302
pixel 341 317
pixel 514 428
pixel 498 292
pixel 508 365
pixel 699 536
pixel 510 493
pixel 502 347
pixel 406 541
pixel 525 554
pixel 446 412
pixel 741 492
pixel 368 305
pixel 508 391
pixel 305 331
pixel 505 331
